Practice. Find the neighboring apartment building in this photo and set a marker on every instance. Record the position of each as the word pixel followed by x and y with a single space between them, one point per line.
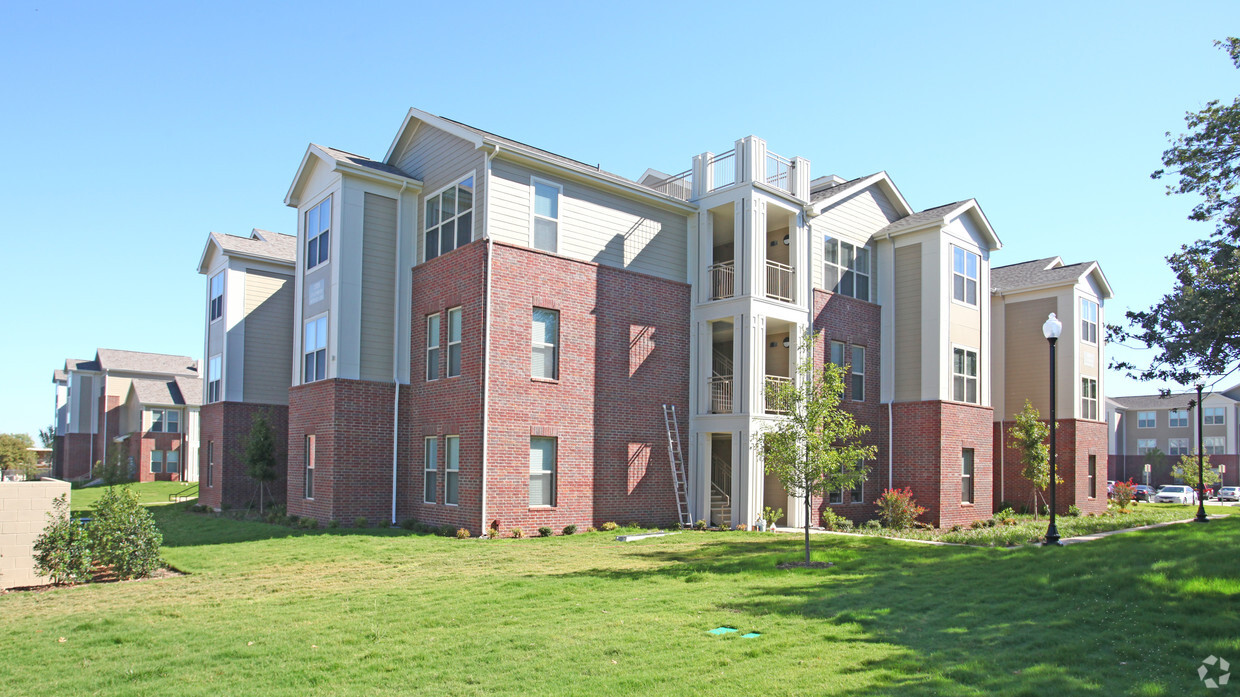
pixel 1143 424
pixel 486 333
pixel 145 403
pixel 249 358
pixel 1022 297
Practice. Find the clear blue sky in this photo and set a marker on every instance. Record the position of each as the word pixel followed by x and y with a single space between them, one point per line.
pixel 130 131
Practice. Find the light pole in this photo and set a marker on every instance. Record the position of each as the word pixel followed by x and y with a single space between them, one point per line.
pixel 1051 330
pixel 1201 480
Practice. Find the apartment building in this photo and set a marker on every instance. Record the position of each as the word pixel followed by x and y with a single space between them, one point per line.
pixel 1156 431
pixel 249 358
pixel 145 404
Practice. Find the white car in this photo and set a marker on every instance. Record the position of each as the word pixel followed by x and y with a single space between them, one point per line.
pixel 1229 493
pixel 1176 493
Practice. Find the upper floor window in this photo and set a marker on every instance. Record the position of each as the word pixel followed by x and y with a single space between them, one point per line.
pixel 214 364
pixel 1178 418
pixel 964 275
pixel 964 375
pixel 450 218
pixel 432 346
pixel 454 342
pixel 315 350
pixel 1147 419
pixel 1146 445
pixel 546 215
pixel 1089 321
pixel 1089 399
pixel 318 233
pixel 165 421
pixel 545 344
pixel 846 268
pixel 216 309
pixel 1215 416
pixel 858 373
pixel 837 353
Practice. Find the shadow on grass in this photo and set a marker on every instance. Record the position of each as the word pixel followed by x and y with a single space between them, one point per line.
pixel 182 528
pixel 1132 614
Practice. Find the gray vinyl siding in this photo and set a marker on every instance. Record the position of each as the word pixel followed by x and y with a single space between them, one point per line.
pixel 1025 356
pixel 908 345
pixel 85 404
pixel 378 287
pixel 268 337
pixel 855 219
pixel 594 225
pixel 439 159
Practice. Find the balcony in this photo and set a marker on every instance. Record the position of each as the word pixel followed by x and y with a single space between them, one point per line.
pixel 722 280
pixel 778 172
pixel 779 279
pixel 677 186
pixel 722 170
pixel 775 383
pixel 721 394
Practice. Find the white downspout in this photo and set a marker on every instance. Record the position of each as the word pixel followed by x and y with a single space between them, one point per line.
pixel 396 355
pixel 486 341
pixel 891 452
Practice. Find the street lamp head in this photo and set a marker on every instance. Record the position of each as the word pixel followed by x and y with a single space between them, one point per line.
pixel 1052 327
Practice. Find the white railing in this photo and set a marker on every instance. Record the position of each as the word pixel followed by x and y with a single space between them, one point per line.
pixel 778 281
pixel 722 170
pixel 722 280
pixel 774 383
pixel 778 172
pixel 677 186
pixel 721 394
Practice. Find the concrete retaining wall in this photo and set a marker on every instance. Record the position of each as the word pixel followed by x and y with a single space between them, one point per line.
pixel 23 515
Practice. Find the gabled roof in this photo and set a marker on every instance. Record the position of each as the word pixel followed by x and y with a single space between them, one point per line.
pixel 1150 402
pixel 263 245
pixel 139 362
pixel 342 161
pixel 180 391
pixel 825 196
pixel 1050 271
pixel 80 364
pixel 59 376
pixel 940 216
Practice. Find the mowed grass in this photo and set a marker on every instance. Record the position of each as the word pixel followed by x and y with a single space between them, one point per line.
pixel 274 611
pixel 148 493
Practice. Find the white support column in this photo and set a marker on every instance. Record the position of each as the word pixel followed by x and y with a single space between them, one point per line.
pixel 756 234
pixel 758 382
pixel 752 168
pixel 739 367
pixel 699 483
pixel 800 178
pixel 706 255
pixel 703 175
pixel 700 369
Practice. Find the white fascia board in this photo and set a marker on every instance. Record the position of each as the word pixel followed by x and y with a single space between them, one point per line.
pixel 243 256
pixel 973 207
pixel 878 178
pixel 435 121
pixel 589 175
pixel 202 260
pixel 311 150
pixel 375 175
pixel 1101 278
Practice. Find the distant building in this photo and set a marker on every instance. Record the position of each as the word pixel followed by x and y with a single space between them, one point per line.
pixel 1139 425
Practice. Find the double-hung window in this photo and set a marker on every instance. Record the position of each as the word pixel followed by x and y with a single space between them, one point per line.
pixel 1146 445
pixel 1089 321
pixel 1177 446
pixel 964 375
pixel 966 475
pixel 1147 419
pixel 546 215
pixel 210 463
pixel 452 470
pixel 1093 476
pixel 216 308
pixel 545 342
pixel 308 469
pixel 858 373
pixel 846 268
pixel 964 275
pixel 214 365
pixel 1215 416
pixel 542 471
pixel 430 468
pixel 315 350
pixel 837 353
pixel 1178 418
pixel 1089 399
pixel 157 462
pixel 172 461
pixel 318 233
pixel 165 421
pixel 454 342
pixel 450 218
pixel 1214 445
pixel 432 346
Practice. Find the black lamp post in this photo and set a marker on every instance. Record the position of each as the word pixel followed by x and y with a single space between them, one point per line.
pixel 1051 330
pixel 1201 480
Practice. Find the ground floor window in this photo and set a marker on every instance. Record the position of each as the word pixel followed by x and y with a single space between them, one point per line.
pixel 165 461
pixel 1093 476
pixel 157 462
pixel 210 463
pixel 309 468
pixel 1215 445
pixel 542 471
pixel 452 470
pixel 430 466
pixel 1145 445
pixel 966 475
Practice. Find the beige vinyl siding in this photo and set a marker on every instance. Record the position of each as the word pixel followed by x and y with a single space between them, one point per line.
pixel 854 219
pixel 438 159
pixel 964 324
pixel 1026 358
pixel 378 287
pixel 118 386
pixel 594 225
pixel 908 346
pixel 268 337
pixel 1089 357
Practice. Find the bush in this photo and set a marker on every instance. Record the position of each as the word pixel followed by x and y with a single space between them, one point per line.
pixel 408 523
pixel 518 533
pixel 63 550
pixel 333 524
pixel 1005 516
pixel 570 529
pixel 699 525
pixel 608 526
pixel 309 523
pixel 462 534
pixel 446 530
pixel 591 528
pixel 677 526
pixel 544 531
pixel 494 533
pixel 361 522
pixel 123 535
pixel 1074 511
pixel 832 520
pixel 872 525
pixel 898 509
pixel 1123 493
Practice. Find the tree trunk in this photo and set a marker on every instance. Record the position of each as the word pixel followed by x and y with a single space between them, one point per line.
pixel 807 527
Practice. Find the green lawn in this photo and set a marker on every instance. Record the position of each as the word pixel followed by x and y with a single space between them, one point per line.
pixel 148 493
pixel 273 611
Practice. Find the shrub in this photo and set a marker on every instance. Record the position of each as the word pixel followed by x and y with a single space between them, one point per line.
pixel 699 525
pixel 544 531
pixel 446 530
pixel 292 520
pixel 832 520
pixel 846 524
pixel 462 534
pixel 494 533
pixel 634 524
pixel 591 528
pixel 123 535
pixel 677 526
pixel 63 550
pixel 742 527
pixel 1124 493
pixel 309 523
pixel 408 523
pixel 977 525
pixel 333 524
pixel 361 522
pixel 898 509
pixel 570 529
pixel 518 533
pixel 872 525
pixel 770 515
pixel 1074 511
pixel 608 526
pixel 955 528
pixel 1005 516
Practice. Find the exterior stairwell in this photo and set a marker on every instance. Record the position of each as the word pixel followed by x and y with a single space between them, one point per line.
pixel 720 501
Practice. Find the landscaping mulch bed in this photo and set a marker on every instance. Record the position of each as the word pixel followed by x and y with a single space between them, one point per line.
pixel 101 576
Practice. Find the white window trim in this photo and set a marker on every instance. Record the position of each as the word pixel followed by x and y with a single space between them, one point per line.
pixel 305 217
pixel 1153 425
pixel 555 373
pixel 325 349
pixel 308 464
pixel 211 298
pixel 219 393
pixel 1172 416
pixel 951 366
pixel 951 288
pixel 210 464
pixel 554 473
pixel 448 349
pixel 1096 322
pixel 164 412
pixel 1148 447
pixel 852 372
pixel 150 462
pixel 422 212
pixel 971 476
pixel 1207 416
pixel 871 286
pixel 558 219
pixel 1187 448
pixel 1095 399
pixel 447 469
pixel 437 347
pixel 430 463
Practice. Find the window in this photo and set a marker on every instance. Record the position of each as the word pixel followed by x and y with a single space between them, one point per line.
pixel 1215 445
pixel 966 475
pixel 430 456
pixel 964 375
pixel 432 346
pixel 157 462
pixel 858 373
pixel 449 218
pixel 1089 321
pixel 854 495
pixel 318 233
pixel 210 463
pixel 964 276
pixel 172 461
pixel 1215 416
pixel 1147 419
pixel 1177 418
pixel 835 497
pixel 315 350
pixel 857 493
pixel 542 471
pixel 213 378
pixel 1177 446
pixel 1146 445
pixel 1089 399
pixel 216 309
pixel 452 470
pixel 165 421
pixel 546 215
pixel 1093 476
pixel 454 342
pixel 546 337
pixel 846 268
pixel 837 353
pixel 309 468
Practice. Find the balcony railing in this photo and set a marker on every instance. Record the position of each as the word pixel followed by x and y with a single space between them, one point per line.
pixel 778 281
pixel 778 172
pixel 721 394
pixel 677 186
pixel 774 383
pixel 722 170
pixel 722 280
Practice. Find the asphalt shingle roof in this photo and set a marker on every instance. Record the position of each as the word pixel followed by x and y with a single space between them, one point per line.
pixel 276 245
pixel 837 189
pixel 138 362
pixel 1035 273
pixel 1151 402
pixel 361 161
pixel 179 391
pixel 921 218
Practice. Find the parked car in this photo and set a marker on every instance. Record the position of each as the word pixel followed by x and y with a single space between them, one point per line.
pixel 1229 493
pixel 1143 492
pixel 1176 493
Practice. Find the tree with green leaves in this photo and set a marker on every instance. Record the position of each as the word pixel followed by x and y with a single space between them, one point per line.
pixel 1185 471
pixel 1195 328
pixel 815 447
pixel 1030 436
pixel 115 467
pixel 260 455
pixel 14 454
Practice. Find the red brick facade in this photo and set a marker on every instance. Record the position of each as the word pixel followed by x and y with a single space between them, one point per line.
pixel 73 456
pixel 222 433
pixel 929 440
pixel 1076 441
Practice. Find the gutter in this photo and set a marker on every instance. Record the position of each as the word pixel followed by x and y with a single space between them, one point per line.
pixel 486 341
pixel 396 355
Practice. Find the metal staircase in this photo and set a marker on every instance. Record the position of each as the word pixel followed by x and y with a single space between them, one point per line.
pixel 720 500
pixel 680 480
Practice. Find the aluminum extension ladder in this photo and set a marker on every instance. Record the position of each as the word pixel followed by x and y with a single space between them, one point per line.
pixel 679 479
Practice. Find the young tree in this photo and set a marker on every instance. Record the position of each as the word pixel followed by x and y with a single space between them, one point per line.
pixel 814 448
pixel 1185 471
pixel 1030 437
pixel 48 436
pixel 260 455
pixel 13 452
pixel 115 467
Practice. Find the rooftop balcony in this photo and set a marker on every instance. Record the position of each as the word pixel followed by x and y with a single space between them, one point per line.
pixel 748 161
